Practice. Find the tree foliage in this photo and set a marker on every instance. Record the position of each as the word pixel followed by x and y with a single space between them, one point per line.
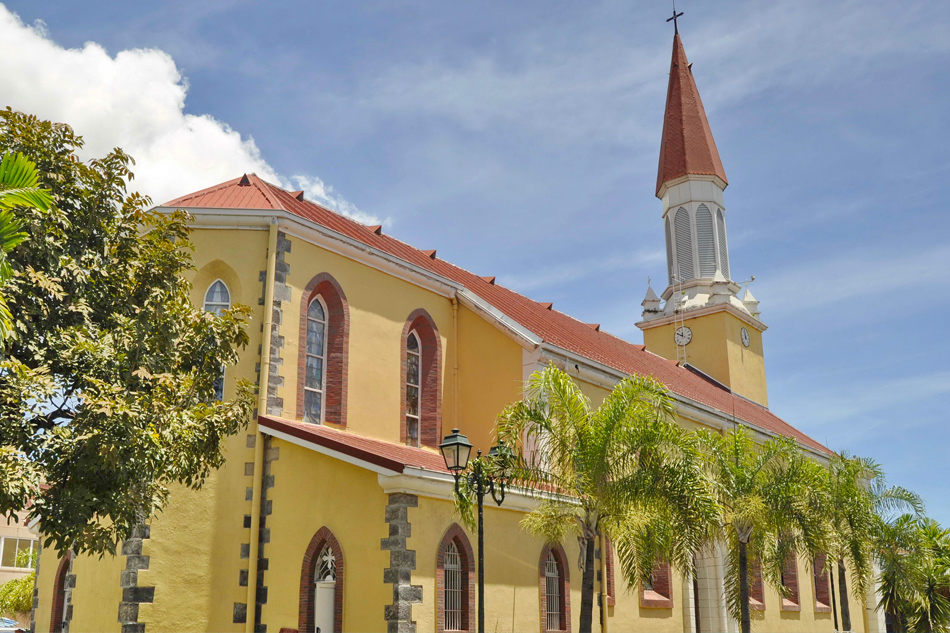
pixel 625 468
pixel 107 385
pixel 773 501
pixel 16 596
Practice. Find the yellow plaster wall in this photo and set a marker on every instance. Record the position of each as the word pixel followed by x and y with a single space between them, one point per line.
pixel 45 575
pixel 96 596
pixel 716 349
pixel 311 491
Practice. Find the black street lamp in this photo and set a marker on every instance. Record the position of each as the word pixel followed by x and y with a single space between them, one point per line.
pixel 456 449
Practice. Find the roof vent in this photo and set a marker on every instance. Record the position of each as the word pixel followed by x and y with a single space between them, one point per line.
pixel 245 181
pixel 490 280
pixel 376 228
pixel 297 194
pixel 594 326
pixel 547 306
pixel 429 254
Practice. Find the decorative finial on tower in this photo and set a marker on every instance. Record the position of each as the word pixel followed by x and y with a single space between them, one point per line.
pixel 676 29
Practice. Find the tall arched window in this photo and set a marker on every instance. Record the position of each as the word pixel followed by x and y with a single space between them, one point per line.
pixel 314 385
pixel 421 423
pixel 723 247
pixel 413 384
pixel 217 300
pixel 706 240
pixel 455 581
pixel 323 349
pixel 684 245
pixel 555 589
pixel 321 585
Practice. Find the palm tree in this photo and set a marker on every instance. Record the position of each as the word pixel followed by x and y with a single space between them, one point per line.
pixel 857 497
pixel 18 188
pixel 772 501
pixel 624 468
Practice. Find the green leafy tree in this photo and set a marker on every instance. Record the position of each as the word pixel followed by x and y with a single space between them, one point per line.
pixel 857 498
pixel 772 500
pixel 18 188
pixel 107 385
pixel 624 467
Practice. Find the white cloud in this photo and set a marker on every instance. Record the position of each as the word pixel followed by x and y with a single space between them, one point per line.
pixel 559 275
pixel 135 100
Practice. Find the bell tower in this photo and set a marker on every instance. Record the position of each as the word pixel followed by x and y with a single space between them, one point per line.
pixel 699 320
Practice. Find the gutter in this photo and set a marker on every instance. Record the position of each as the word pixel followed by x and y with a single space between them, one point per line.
pixel 254 545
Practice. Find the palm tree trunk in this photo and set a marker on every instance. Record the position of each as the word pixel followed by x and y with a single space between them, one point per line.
pixel 843 591
pixel 746 622
pixel 587 589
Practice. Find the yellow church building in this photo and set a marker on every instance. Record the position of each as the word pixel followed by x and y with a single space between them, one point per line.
pixel 334 511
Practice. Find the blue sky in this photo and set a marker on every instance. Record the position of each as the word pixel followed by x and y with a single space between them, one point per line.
pixel 520 140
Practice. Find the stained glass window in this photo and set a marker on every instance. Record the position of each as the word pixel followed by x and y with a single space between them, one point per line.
pixel 413 387
pixel 314 380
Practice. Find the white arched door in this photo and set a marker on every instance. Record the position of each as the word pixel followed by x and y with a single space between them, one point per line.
pixel 324 598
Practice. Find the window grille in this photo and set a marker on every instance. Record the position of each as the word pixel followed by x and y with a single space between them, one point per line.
pixel 217 300
pixel 314 382
pixel 413 388
pixel 706 240
pixel 453 589
pixel 684 245
pixel 326 566
pixel 552 593
pixel 723 248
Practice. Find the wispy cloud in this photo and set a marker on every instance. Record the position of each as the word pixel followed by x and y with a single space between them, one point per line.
pixel 135 100
pixel 545 277
pixel 855 276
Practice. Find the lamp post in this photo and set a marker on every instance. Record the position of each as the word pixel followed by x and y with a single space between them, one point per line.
pixel 456 450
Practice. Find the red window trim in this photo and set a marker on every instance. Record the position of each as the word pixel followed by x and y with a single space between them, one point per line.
pixel 430 379
pixel 455 534
pixel 822 584
pixel 305 614
pixel 59 594
pixel 609 566
pixel 337 347
pixel 756 587
pixel 565 573
pixel 792 601
pixel 661 596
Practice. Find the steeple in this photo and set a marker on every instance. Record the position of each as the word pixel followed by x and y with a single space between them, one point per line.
pixel 688 147
pixel 699 318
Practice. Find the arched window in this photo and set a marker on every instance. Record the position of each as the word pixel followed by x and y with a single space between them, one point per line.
pixel 314 386
pixel 706 240
pixel 669 250
pixel 822 585
pixel 657 591
pixel 413 384
pixel 323 348
pixel 684 245
pixel 555 590
pixel 791 601
pixel 455 581
pixel 723 247
pixel 421 423
pixel 57 617
pixel 321 585
pixel 217 300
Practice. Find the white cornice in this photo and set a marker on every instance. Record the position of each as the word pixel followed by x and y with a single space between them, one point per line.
pixel 748 319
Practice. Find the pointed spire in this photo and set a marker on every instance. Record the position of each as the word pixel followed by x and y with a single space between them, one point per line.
pixel 687 146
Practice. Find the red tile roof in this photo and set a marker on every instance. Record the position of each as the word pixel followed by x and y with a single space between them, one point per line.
pixel 395 457
pixel 688 146
pixel 553 327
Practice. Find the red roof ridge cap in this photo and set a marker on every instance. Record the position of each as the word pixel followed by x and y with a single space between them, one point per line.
pixel 376 228
pixel 266 189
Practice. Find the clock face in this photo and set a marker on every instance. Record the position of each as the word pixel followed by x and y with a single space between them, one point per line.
pixel 683 336
pixel 745 337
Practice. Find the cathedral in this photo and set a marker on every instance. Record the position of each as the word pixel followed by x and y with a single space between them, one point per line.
pixel 334 511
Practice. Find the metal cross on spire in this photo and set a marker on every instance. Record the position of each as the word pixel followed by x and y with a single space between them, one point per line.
pixel 676 29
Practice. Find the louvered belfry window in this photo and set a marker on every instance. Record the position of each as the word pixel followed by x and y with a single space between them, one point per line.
pixel 669 250
pixel 706 240
pixel 684 245
pixel 552 593
pixel 453 589
pixel 723 248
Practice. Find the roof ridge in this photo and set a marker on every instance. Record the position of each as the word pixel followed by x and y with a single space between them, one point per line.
pixel 201 192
